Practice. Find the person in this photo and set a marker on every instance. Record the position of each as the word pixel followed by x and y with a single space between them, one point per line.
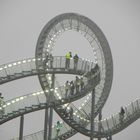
pixel 77 84
pixel 66 113
pixel 76 58
pixel 121 114
pixel 109 138
pixel 1 100
pixel 51 60
pixel 95 69
pixel 1 105
pixel 46 59
pixel 58 126
pixel 101 126
pixel 89 75
pixel 71 113
pixel 72 88
pixel 67 87
pixel 92 73
pixel 68 57
pixel 82 83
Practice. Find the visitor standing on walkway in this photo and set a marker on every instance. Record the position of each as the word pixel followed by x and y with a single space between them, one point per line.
pixel 76 58
pixel 82 83
pixel 67 88
pixel 121 114
pixel 77 84
pixel 51 60
pixel 72 88
pixel 1 105
pixel 46 59
pixel 68 57
pixel 71 113
pixel 58 127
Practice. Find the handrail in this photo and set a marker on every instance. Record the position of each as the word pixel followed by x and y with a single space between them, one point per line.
pixel 27 67
pixel 38 98
pixel 110 125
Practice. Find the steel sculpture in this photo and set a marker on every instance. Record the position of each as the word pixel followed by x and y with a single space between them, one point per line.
pixel 97 76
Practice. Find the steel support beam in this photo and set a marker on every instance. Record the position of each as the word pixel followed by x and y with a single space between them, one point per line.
pixel 49 113
pixel 50 123
pixel 21 127
pixel 46 124
pixel 51 108
pixel 92 127
pixel 100 118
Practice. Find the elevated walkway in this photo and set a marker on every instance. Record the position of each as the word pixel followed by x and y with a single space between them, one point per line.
pixel 37 101
pixel 103 128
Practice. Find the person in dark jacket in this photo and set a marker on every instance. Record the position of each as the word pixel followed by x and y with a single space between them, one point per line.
pixel 71 113
pixel 67 88
pixel 77 84
pixel 51 60
pixel 121 114
pixel 72 88
pixel 76 58
pixel 2 111
pixel 82 83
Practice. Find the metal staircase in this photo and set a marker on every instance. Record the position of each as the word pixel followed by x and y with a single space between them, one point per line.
pixel 36 101
pixel 97 75
pixel 110 125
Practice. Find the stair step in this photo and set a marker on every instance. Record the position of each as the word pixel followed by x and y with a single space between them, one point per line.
pixel 22 110
pixel 33 71
pixel 9 114
pixel 35 106
pixel 42 104
pixel 15 112
pixel 11 76
pixel 3 78
pixel 28 108
pixel 26 72
pixel 3 116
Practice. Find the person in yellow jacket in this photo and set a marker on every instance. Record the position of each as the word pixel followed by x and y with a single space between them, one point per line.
pixel 68 57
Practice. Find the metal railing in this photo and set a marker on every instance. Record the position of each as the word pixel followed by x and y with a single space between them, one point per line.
pixel 35 99
pixel 110 125
pixel 27 67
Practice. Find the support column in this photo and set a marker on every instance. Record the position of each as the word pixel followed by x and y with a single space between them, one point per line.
pixel 92 127
pixel 46 124
pixel 21 127
pixel 49 113
pixel 50 123
pixel 51 108
pixel 100 118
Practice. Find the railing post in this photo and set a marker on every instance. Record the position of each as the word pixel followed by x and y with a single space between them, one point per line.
pixel 92 127
pixel 21 127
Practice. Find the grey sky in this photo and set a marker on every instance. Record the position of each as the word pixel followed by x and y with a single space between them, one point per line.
pixel 21 21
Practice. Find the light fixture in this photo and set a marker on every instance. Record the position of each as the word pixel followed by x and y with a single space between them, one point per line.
pixel 10 65
pixel 19 62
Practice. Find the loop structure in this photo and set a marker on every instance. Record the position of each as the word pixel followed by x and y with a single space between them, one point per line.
pixel 93 82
